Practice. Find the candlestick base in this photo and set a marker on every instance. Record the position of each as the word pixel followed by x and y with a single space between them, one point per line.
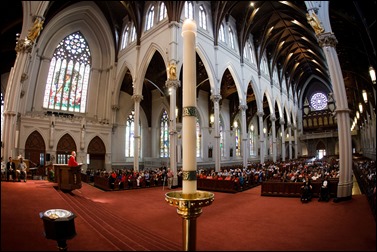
pixel 189 207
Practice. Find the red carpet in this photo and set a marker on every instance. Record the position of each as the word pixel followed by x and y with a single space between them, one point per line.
pixel 141 220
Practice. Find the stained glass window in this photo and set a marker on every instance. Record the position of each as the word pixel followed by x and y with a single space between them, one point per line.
pixel 252 141
pixel 318 101
pixel 68 76
pixel 237 138
pixel 164 134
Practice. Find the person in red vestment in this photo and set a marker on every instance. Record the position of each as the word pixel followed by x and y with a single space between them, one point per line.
pixel 72 160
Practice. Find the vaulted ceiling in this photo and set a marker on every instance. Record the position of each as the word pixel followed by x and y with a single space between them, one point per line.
pixel 278 28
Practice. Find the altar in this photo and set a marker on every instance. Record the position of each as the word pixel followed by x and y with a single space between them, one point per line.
pixel 67 177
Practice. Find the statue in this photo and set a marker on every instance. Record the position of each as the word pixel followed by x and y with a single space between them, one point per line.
pixel 172 72
pixel 36 29
pixel 315 23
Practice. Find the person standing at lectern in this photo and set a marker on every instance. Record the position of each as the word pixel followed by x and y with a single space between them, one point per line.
pixel 72 160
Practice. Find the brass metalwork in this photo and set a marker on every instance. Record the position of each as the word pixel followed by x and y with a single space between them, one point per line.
pixel 189 175
pixel 189 207
pixel 189 111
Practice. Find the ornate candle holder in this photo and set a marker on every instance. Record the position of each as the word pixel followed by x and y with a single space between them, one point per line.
pixel 189 207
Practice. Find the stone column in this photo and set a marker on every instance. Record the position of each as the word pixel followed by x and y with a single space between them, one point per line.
pixel 137 99
pixel 12 97
pixel 261 136
pixel 295 144
pixel 273 128
pixel 282 139
pixel 328 42
pixel 173 85
pixel 217 152
pixel 245 155
pixel 289 141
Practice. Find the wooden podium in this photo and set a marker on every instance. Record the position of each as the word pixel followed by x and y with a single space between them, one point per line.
pixel 68 178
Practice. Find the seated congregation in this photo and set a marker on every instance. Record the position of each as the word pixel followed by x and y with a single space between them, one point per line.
pixel 303 180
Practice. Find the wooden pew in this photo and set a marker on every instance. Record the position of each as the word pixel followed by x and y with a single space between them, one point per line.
pixel 293 189
pixel 217 185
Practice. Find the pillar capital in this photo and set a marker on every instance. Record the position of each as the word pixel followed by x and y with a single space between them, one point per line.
pixel 23 45
pixel 216 98
pixel 172 84
pixel 260 114
pixel 137 98
pixel 327 39
pixel 243 107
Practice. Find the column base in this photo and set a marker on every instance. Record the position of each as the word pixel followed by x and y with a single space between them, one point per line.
pixel 337 200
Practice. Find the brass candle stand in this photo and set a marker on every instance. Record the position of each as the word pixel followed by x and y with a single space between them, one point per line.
pixel 189 207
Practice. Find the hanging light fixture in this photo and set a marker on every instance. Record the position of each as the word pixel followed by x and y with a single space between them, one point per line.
pixel 357 114
pixel 372 74
pixel 361 107
pixel 365 96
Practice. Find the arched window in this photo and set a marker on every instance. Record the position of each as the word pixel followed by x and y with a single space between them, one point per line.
pixel 221 130
pixel 245 53
pixel 130 135
pixel 202 18
pixel 126 34
pixel 162 11
pixel 150 17
pixel 264 67
pixel 252 140
pixel 251 52
pixel 68 76
pixel 237 138
pixel 275 76
pixel 189 11
pixel 198 138
pixel 221 33
pixel 133 33
pixel 164 134
pixel 231 37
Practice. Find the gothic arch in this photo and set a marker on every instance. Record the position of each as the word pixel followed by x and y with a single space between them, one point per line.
pixel 64 148
pixel 35 148
pixel 97 153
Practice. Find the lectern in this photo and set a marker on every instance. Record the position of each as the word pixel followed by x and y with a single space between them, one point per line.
pixel 68 178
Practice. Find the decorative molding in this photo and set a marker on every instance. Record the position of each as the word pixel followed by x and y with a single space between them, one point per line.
pixel 189 111
pixel 327 39
pixel 23 45
pixel 137 98
pixel 189 175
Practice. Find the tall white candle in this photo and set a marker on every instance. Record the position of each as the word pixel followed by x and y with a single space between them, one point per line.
pixel 189 108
